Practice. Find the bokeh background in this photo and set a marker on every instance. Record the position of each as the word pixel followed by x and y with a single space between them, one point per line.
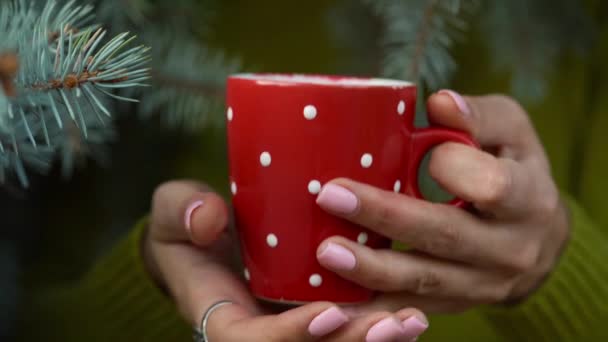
pixel 52 232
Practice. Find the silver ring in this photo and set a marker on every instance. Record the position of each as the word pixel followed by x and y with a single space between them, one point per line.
pixel 200 334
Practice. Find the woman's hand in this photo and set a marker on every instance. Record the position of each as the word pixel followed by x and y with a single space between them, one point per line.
pixel 190 254
pixel 501 252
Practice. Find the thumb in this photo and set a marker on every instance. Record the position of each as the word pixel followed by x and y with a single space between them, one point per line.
pixel 187 211
pixel 492 120
pixel 450 109
pixel 305 323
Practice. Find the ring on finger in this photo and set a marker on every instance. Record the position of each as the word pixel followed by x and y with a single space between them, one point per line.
pixel 200 333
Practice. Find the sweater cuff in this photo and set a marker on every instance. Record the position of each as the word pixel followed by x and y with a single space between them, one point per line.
pixel 122 298
pixel 573 301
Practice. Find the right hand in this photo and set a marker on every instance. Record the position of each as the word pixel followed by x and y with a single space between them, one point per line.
pixel 189 253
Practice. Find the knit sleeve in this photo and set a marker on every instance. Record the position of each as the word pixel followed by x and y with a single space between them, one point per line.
pixel 115 301
pixel 572 305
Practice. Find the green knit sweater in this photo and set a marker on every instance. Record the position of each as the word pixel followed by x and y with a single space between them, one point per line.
pixel 117 301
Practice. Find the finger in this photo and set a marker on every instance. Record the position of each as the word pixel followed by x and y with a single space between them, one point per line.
pixel 195 279
pixel 392 271
pixel 493 120
pixel 404 325
pixel 196 282
pixel 394 300
pixel 438 229
pixel 500 186
pixel 187 211
pixel 306 323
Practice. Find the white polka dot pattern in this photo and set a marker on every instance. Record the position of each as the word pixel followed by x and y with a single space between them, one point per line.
pixel 401 108
pixel 315 280
pixel 272 240
pixel 310 112
pixel 229 113
pixel 367 160
pixel 314 186
pixel 233 188
pixel 265 159
pixel 362 238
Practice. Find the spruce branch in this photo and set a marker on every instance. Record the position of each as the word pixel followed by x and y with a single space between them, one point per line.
pixel 418 35
pixel 9 64
pixel 188 81
pixel 422 40
pixel 58 74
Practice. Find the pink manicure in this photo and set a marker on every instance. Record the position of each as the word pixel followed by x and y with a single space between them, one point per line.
pixel 337 199
pixel 388 329
pixel 327 321
pixel 337 257
pixel 414 327
pixel 458 99
pixel 190 212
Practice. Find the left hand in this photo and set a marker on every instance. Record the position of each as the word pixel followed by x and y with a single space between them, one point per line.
pixel 189 252
pixel 499 252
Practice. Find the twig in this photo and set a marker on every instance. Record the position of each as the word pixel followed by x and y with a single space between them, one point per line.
pixel 9 65
pixel 72 81
pixel 422 40
pixel 53 36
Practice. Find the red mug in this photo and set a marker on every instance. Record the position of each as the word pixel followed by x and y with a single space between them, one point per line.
pixel 287 136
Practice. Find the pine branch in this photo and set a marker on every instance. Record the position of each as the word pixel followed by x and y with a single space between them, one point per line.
pixel 57 74
pixel 188 81
pixel 9 64
pixel 418 35
pixel 422 40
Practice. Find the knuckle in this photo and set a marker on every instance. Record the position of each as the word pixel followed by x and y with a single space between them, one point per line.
pixel 525 259
pixel 547 206
pixel 519 117
pixel 426 282
pixel 160 192
pixel 497 293
pixel 447 238
pixel 385 216
pixel 160 201
pixel 497 185
pixel 510 103
pixel 379 277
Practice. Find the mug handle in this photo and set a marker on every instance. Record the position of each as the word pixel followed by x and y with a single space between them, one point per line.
pixel 423 140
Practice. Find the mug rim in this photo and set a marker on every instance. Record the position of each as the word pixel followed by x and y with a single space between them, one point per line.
pixel 324 80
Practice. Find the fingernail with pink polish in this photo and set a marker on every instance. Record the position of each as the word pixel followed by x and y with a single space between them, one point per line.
pixel 462 105
pixel 388 329
pixel 190 212
pixel 327 321
pixel 414 327
pixel 337 257
pixel 337 199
